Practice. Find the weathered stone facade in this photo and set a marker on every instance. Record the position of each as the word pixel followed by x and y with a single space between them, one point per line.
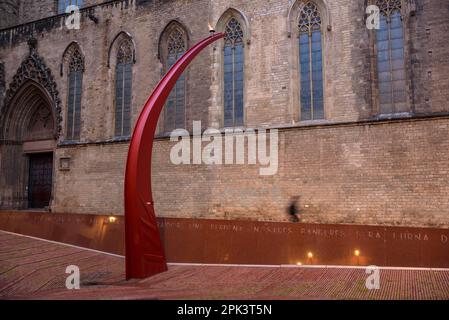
pixel 356 166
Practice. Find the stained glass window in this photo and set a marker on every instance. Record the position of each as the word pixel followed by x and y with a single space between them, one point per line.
pixel 390 58
pixel 174 116
pixel 311 63
pixel 233 74
pixel 75 87
pixel 123 89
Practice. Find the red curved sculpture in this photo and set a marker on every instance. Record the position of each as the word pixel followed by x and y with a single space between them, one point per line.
pixel 144 251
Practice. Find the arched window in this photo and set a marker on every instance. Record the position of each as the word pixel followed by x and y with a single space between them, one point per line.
pixel 63 4
pixel 311 63
pixel 390 58
pixel 123 89
pixel 175 109
pixel 75 87
pixel 233 74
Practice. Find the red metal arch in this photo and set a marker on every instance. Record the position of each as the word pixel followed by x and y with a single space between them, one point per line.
pixel 144 251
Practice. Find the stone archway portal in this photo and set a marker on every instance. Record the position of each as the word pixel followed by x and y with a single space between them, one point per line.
pixel 30 124
pixel 31 127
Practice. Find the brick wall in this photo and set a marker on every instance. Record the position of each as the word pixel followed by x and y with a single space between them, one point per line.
pixel 388 173
pixel 391 173
pixel 430 56
pixel 94 183
pixel 31 10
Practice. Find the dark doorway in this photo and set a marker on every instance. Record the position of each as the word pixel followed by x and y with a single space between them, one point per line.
pixel 40 180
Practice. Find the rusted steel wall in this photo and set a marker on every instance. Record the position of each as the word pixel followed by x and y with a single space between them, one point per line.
pixel 248 242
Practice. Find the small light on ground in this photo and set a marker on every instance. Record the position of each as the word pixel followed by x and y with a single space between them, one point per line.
pixel 310 255
pixel 112 219
pixel 357 253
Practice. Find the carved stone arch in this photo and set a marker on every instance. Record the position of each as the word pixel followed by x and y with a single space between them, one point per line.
pixel 33 71
pixel 408 7
pixel 71 49
pixel 216 105
pixel 30 99
pixel 118 39
pixel 241 17
pixel 30 124
pixel 163 37
pixel 293 30
pixel 295 9
pixel 174 40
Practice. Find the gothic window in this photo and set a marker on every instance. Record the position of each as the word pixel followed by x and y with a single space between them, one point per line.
pixel 63 4
pixel 390 58
pixel 233 74
pixel 175 110
pixel 75 82
pixel 311 63
pixel 123 89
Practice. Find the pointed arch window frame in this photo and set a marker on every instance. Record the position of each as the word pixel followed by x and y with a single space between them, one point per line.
pixel 389 14
pixel 410 25
pixel 311 62
pixel 234 73
pixel 171 48
pixel 125 59
pixel 75 73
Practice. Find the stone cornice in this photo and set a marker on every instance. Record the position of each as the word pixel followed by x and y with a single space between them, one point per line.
pixel 21 32
pixel 309 125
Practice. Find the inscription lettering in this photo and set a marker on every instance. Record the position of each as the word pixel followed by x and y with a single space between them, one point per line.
pixel 410 236
pixel 330 233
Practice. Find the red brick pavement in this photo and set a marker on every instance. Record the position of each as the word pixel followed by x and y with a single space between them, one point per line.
pixel 35 269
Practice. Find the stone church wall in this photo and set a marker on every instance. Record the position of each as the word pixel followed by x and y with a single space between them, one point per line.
pixel 349 168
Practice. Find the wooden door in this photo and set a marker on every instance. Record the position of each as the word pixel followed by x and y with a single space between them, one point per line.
pixel 40 180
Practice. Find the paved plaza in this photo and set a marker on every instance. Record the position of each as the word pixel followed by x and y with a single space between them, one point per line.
pixel 35 269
